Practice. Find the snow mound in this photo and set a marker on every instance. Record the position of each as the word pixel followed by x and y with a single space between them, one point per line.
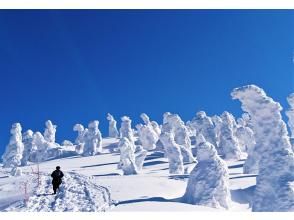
pixel 77 194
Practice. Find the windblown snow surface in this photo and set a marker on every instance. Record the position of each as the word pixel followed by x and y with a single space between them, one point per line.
pixel 94 183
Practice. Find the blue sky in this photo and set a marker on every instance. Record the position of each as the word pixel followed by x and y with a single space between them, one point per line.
pixel 73 66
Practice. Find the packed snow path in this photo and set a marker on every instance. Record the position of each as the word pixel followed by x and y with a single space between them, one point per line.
pixel 77 193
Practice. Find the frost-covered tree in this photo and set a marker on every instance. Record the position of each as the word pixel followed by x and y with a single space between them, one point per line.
pixel 228 145
pixel 127 157
pixel 204 125
pixel 147 136
pixel 245 136
pixel 290 114
pixel 49 133
pixel 126 129
pixel 275 161
pixel 174 124
pixel 173 153
pixel 80 139
pixel 93 139
pixel 208 183
pixel 140 156
pixel 156 127
pixel 39 148
pixel 112 129
pixel 27 139
pixel 217 121
pixel 14 150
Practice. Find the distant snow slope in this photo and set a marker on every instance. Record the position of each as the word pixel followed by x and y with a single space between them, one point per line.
pixel 77 193
pixel 152 190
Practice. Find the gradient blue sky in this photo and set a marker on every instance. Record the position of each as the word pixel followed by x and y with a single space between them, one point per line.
pixel 73 66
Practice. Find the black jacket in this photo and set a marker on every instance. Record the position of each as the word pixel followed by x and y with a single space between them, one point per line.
pixel 57 175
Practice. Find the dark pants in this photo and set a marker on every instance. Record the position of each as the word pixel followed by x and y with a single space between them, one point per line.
pixel 56 185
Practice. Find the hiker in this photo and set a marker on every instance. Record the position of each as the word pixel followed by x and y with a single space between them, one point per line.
pixel 56 175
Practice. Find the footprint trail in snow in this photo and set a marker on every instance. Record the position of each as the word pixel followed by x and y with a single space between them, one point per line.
pixel 77 193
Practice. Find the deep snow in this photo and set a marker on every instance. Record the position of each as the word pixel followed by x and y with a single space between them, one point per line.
pixel 154 189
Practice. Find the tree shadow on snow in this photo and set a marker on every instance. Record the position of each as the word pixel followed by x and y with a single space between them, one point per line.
pixel 98 165
pixel 151 199
pixel 243 176
pixel 109 174
pixel 179 177
pixel 235 166
pixel 243 196
pixel 112 147
pixel 154 155
pixel 3 177
pixel 153 163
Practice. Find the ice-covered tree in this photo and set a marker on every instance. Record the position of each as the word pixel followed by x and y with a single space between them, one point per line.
pixel 174 124
pixel 80 139
pixel 208 184
pixel 147 136
pixel 245 136
pixel 14 150
pixel 112 129
pixel 127 157
pixel 39 148
pixel 126 129
pixel 152 124
pixel 228 145
pixel 140 156
pixel 49 133
pixel 290 114
pixel 204 125
pixel 217 121
pixel 27 139
pixel 275 161
pixel 173 153
pixel 93 139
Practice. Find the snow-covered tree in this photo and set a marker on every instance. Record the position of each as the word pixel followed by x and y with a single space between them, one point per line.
pixel 156 127
pixel 173 153
pixel 112 129
pixel 80 139
pixel 204 125
pixel 126 129
pixel 228 145
pixel 27 139
pixel 290 113
pixel 245 136
pixel 152 124
pixel 14 150
pixel 49 133
pixel 39 148
pixel 93 139
pixel 208 183
pixel 147 136
pixel 174 124
pixel 140 156
pixel 127 157
pixel 275 161
pixel 217 121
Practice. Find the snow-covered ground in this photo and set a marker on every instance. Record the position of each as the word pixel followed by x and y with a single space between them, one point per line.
pixel 95 184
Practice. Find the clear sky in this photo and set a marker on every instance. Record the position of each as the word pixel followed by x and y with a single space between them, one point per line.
pixel 73 66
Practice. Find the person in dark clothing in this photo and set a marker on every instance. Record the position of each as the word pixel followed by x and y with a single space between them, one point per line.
pixel 57 178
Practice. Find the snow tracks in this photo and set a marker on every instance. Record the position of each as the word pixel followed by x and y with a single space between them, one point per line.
pixel 77 194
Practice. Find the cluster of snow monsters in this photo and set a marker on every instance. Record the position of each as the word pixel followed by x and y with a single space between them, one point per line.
pixel 259 133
